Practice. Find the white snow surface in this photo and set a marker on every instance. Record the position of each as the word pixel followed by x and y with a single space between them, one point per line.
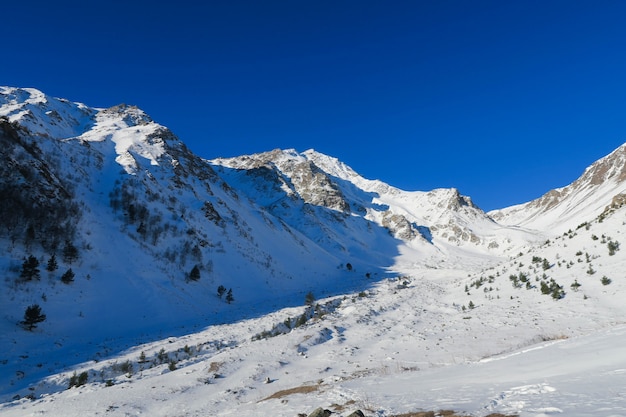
pixel 435 324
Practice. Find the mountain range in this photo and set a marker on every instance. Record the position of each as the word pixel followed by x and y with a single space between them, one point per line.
pixel 151 241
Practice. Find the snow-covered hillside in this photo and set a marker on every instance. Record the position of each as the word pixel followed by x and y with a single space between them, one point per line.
pixel 585 198
pixel 172 285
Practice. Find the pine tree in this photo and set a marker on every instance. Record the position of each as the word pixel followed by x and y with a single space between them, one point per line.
pixel 302 319
pixel 557 292
pixel 194 275
pixel 68 276
pixel 52 264
pixel 70 252
pixel 30 269
pixel 220 291
pixel 32 316
pixel 309 299
pixel 229 296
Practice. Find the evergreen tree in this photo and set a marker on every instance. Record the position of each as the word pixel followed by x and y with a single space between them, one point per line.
pixel 30 269
pixel 30 234
pixel 142 230
pixel 70 252
pixel 220 291
pixel 301 320
pixel 229 296
pixel 309 299
pixel 68 276
pixel 52 264
pixel 557 291
pixel 194 275
pixel 78 380
pixel 32 316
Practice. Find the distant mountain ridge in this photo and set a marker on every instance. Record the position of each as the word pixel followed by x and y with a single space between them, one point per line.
pixel 585 198
pixel 412 217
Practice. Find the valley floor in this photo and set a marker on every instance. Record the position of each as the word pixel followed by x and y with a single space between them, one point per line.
pixel 405 344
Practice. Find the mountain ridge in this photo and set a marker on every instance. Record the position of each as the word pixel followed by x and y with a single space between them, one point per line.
pixel 586 197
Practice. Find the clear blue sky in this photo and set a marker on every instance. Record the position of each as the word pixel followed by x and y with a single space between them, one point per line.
pixel 503 100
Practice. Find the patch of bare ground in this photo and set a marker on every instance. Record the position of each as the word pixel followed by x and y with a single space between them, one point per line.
pixel 303 389
pixel 215 367
pixel 339 407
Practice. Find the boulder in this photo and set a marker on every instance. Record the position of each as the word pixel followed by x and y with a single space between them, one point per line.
pixel 320 412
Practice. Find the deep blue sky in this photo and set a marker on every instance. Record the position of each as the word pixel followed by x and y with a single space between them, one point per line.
pixel 503 100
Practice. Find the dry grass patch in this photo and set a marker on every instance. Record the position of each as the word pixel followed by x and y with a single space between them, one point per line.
pixel 339 408
pixel 215 366
pixel 304 389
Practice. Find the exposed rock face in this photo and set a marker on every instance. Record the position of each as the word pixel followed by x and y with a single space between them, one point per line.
pixel 617 202
pixel 399 226
pixel 315 187
pixel 454 200
pixel 295 175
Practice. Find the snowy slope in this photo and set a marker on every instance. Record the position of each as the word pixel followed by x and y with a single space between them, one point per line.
pixel 425 302
pixel 403 345
pixel 585 198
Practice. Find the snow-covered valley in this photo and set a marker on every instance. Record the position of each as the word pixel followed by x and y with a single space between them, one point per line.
pixel 348 294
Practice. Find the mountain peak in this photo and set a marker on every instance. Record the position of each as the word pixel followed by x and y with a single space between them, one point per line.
pixel 610 168
pixel 44 115
pixel 132 115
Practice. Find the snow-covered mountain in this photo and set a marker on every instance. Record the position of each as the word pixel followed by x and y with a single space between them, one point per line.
pixel 440 224
pixel 123 237
pixel 600 186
